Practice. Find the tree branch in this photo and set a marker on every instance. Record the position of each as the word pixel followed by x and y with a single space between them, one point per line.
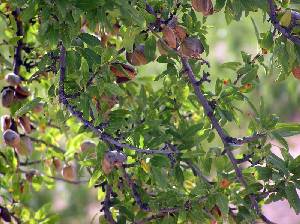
pixel 215 123
pixel 72 109
pixel 286 33
pixel 107 205
pixel 20 32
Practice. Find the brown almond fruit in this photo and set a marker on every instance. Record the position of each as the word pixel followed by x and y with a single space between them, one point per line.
pixel 68 172
pixel 137 57
pixel 5 122
pixel 87 145
pixel 123 72
pixel 180 33
pixel 12 79
pixel 11 138
pixel 25 148
pixel 203 6
pixel 191 47
pixel 169 36
pixel 21 92
pixel 106 166
pixel 7 97
pixel 57 164
pixel 25 124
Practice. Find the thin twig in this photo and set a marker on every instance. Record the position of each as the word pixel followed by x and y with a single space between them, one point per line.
pixel 56 148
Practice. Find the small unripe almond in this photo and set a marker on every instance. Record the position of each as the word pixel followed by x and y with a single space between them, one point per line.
pixel 68 172
pixel 7 97
pixel 191 47
pixel 5 122
pixel 169 36
pixel 204 6
pixel 12 79
pixel 25 148
pixel 11 138
pixel 86 145
pixel 25 124
pixel 296 72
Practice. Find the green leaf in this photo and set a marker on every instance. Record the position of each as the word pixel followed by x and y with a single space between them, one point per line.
pixel 160 161
pixel 150 48
pixel 114 89
pixel 94 178
pixel 292 196
pixel 90 40
pixel 287 129
pixel 278 163
pixel 27 107
pixel 223 203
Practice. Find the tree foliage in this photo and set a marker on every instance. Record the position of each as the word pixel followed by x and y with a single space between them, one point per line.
pixel 80 111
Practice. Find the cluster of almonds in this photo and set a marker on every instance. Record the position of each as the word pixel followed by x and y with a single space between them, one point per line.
pixel 11 94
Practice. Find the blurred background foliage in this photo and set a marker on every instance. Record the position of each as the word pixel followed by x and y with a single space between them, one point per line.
pixel 78 204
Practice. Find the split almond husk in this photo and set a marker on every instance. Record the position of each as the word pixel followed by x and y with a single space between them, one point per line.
pixel 191 47
pixel 169 36
pixel 203 6
pixel 123 72
pixel 137 56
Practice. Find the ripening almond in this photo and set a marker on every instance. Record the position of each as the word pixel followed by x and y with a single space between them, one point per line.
pixel 5 122
pixel 296 72
pixel 191 47
pixel 169 36
pixel 106 166
pixel 11 138
pixel 25 147
pixel 137 57
pixel 68 172
pixel 116 29
pixel 21 92
pixel 86 145
pixel 57 164
pixel 7 97
pixel 180 33
pixel 123 72
pixel 25 124
pixel 204 6
pixel 12 79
